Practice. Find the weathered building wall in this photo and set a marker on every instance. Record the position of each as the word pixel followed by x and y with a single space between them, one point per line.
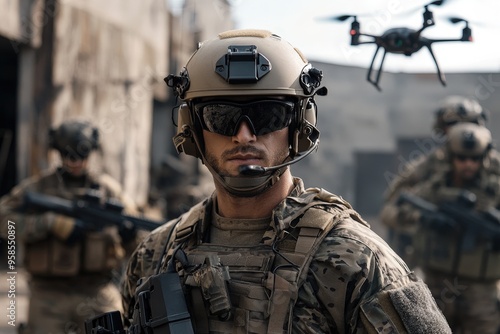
pixel 94 60
pixel 23 20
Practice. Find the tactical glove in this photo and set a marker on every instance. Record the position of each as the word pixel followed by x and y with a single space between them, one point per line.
pixel 67 229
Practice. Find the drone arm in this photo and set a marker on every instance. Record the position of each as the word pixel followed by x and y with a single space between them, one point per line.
pixel 430 41
pixel 355 39
pixel 439 73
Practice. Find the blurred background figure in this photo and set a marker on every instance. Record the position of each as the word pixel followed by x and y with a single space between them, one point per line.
pixel 457 245
pixel 452 110
pixel 73 269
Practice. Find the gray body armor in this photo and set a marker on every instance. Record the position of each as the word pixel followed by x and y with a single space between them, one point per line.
pixel 262 281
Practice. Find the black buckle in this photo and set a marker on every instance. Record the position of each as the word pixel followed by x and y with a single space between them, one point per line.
pixel 242 64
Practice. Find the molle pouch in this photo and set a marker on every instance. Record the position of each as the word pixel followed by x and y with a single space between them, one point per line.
pixel 65 260
pixel 37 257
pixel 52 257
pixel 471 262
pixel 96 249
pixel 481 262
pixel 436 251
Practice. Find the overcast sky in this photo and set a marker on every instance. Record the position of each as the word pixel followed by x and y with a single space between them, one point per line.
pixel 302 23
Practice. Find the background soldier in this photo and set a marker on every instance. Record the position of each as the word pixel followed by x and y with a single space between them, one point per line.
pixel 452 110
pixel 264 254
pixel 71 268
pixel 461 257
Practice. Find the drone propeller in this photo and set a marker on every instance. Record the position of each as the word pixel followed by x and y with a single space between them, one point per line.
pixel 466 31
pixel 455 20
pixel 435 3
pixel 413 10
pixel 340 18
pixel 344 17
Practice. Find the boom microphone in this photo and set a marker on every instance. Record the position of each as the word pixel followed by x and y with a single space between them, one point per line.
pixel 256 170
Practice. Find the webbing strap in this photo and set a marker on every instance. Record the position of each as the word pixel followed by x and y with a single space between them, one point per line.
pixel 282 293
pixel 200 312
pixel 306 239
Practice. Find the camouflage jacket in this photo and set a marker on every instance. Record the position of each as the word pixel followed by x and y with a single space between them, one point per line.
pixel 354 283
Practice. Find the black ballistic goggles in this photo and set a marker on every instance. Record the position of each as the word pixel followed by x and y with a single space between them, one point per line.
pixel 263 117
pixel 474 158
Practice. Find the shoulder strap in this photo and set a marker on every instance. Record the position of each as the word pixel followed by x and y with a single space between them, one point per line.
pixel 314 227
pixel 180 230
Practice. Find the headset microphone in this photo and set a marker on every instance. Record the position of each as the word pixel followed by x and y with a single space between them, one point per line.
pixel 256 170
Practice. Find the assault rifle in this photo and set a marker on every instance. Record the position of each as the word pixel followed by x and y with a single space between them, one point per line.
pixel 88 209
pixel 459 215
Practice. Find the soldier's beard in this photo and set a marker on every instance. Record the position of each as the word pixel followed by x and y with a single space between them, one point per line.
pixel 216 162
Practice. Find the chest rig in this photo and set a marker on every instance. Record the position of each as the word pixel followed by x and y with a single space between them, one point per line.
pixel 253 289
pixel 467 249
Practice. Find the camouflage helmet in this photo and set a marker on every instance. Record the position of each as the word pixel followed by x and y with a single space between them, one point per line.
pixel 74 139
pixel 455 109
pixel 469 139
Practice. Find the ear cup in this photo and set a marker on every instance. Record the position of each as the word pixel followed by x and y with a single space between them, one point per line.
pixel 184 140
pixel 311 112
pixel 306 135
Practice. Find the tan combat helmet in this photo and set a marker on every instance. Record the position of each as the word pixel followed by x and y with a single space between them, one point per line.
pixel 74 139
pixel 469 139
pixel 252 65
pixel 455 109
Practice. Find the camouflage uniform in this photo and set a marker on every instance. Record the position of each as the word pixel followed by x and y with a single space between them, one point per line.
pixel 462 276
pixel 453 110
pixel 66 286
pixel 469 304
pixel 354 282
pixel 296 261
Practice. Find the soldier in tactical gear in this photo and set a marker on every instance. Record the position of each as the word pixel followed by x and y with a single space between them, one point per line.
pixel 264 254
pixel 460 262
pixel 72 270
pixel 452 110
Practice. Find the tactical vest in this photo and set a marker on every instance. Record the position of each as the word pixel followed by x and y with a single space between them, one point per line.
pixel 449 253
pixel 263 280
pixel 459 253
pixel 97 253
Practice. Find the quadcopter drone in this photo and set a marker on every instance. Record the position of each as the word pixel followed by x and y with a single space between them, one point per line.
pixel 404 40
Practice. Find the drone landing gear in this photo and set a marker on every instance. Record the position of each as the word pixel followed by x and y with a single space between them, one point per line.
pixel 379 72
pixel 375 82
pixel 439 73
